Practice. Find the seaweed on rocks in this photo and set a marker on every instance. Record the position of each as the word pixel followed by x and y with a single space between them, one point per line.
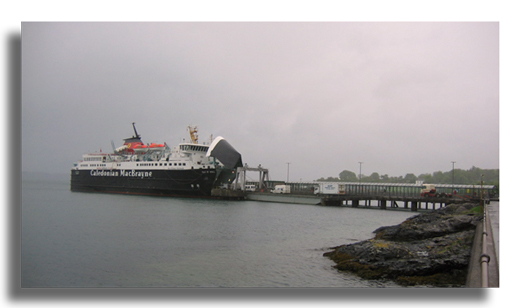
pixel 432 248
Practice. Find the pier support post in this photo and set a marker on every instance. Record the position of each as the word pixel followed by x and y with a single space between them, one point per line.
pixel 414 206
pixel 405 204
pixel 383 204
pixel 355 203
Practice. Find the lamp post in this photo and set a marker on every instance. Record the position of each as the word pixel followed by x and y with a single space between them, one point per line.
pixel 360 163
pixel 288 172
pixel 453 176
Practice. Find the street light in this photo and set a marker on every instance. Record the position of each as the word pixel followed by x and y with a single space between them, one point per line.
pixel 453 176
pixel 360 163
pixel 288 172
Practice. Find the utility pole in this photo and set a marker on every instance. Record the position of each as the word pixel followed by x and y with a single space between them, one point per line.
pixel 288 172
pixel 360 163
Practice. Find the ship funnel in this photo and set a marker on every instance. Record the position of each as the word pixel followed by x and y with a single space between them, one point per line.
pixel 225 153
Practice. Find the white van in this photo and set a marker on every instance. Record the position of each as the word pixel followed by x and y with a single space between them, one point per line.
pixel 250 187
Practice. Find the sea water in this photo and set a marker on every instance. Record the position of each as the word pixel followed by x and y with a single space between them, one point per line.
pixel 72 239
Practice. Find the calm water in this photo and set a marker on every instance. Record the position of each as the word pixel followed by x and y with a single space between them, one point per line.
pixel 101 240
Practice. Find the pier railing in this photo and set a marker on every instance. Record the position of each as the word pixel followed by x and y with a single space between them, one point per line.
pixel 484 257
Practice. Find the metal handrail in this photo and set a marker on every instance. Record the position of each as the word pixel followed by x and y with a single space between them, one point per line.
pixel 484 257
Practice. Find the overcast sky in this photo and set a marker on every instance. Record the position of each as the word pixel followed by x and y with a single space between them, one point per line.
pixel 399 97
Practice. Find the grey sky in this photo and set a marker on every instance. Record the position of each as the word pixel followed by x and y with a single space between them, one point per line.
pixel 400 97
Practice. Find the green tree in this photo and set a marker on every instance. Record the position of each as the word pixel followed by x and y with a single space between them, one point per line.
pixel 426 178
pixel 410 178
pixel 329 179
pixel 438 177
pixel 348 176
pixel 373 178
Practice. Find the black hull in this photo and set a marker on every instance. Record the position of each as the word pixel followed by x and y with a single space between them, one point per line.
pixel 172 183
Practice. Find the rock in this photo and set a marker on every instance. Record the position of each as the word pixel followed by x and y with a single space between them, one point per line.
pixel 432 248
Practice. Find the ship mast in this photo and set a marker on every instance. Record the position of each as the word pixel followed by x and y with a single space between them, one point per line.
pixel 193 134
pixel 135 130
pixel 134 139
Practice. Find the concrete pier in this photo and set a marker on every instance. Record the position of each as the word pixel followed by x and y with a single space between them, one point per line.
pixel 402 196
pixel 228 194
pixel 382 202
pixel 284 198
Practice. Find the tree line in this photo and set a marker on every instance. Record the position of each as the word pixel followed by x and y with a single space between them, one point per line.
pixel 457 176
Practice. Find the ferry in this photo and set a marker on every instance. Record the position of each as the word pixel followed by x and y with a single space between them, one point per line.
pixel 189 169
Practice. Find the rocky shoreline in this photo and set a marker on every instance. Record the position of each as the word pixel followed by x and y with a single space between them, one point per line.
pixel 429 249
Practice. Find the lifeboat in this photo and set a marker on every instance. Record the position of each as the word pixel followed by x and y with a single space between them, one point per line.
pixel 156 146
pixel 140 148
